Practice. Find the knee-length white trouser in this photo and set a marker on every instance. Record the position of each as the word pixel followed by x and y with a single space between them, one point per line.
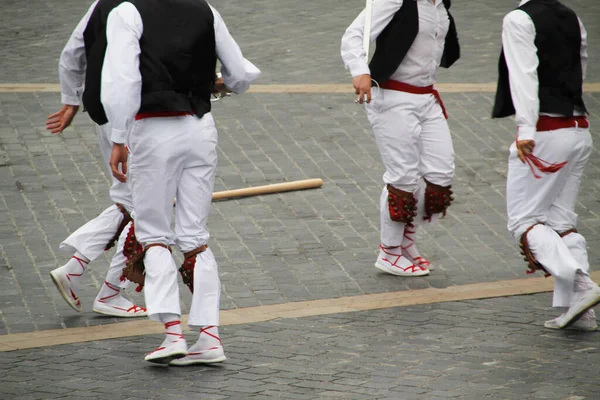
pixel 550 201
pixel 92 238
pixel 175 157
pixel 414 143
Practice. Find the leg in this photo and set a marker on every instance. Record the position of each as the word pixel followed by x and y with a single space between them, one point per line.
pixel 158 150
pixel 436 167
pixel 194 197
pixel 529 202
pixel 111 299
pixel 563 219
pixel 86 244
pixel 396 128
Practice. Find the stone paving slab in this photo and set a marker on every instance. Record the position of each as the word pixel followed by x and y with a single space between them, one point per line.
pixel 490 349
pixel 272 249
pixel 291 41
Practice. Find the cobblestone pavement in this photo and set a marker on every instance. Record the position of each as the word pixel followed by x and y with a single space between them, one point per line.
pixel 272 249
pixel 491 349
pixel 296 246
pixel 292 41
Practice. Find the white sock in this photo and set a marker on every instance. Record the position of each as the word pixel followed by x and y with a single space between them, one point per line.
pixel 208 339
pixel 172 327
pixel 75 268
pixel 583 282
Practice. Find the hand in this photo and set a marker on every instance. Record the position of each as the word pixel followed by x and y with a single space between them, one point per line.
pixel 362 86
pixel 524 148
pixel 119 156
pixel 61 120
pixel 220 87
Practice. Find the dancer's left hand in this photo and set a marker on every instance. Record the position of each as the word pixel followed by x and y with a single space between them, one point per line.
pixel 119 156
pixel 61 120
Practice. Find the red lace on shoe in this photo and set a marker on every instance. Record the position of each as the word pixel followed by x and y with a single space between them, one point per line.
pixel 179 335
pixel 412 268
pixel 423 262
pixel 134 309
pixel 81 263
pixel 205 330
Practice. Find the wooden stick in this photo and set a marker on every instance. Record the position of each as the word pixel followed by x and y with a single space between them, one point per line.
pixel 266 189
pixel 269 189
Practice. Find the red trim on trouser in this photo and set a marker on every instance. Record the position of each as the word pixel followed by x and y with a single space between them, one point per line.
pixel 159 114
pixel 405 87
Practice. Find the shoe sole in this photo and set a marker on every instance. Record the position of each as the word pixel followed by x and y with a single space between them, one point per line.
pixel 384 269
pixel 62 292
pixel 166 359
pixel 179 363
pixel 576 316
pixel 126 315
pixel 573 328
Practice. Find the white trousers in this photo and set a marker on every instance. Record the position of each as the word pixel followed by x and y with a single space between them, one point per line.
pixel 551 201
pixel 175 157
pixel 91 239
pixel 414 143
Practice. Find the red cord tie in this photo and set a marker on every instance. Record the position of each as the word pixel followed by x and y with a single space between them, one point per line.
pixel 542 165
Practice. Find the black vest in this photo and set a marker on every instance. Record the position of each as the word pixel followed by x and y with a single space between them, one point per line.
pixel 558 42
pixel 94 38
pixel 398 36
pixel 178 58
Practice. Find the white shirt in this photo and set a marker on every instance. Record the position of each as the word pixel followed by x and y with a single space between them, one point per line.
pixel 121 87
pixel 518 41
pixel 420 65
pixel 72 63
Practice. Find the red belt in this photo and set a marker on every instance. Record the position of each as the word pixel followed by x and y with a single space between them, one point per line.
pixel 546 123
pixel 405 87
pixel 159 114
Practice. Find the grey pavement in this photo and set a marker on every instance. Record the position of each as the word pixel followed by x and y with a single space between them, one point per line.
pixel 271 249
pixel 475 350
pixel 292 41
pixel 295 246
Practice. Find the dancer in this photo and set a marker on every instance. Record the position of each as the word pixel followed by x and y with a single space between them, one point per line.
pixel 81 62
pixel 408 118
pixel 157 80
pixel 542 67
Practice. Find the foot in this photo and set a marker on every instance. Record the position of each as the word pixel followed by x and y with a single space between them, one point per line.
pixel 410 250
pixel 586 323
pixel 397 264
pixel 116 304
pixel 209 356
pixel 582 302
pixel 61 280
pixel 168 352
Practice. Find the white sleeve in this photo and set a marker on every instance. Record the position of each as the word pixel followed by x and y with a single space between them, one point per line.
pixel 518 41
pixel 72 63
pixel 238 73
pixel 352 49
pixel 121 90
pixel 584 49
